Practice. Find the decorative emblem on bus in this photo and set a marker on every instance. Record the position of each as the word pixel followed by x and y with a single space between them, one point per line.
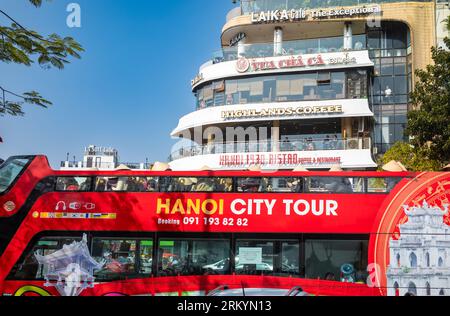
pixel 70 269
pixel 419 261
pixel 9 206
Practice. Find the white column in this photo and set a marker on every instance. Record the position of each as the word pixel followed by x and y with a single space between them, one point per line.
pixel 348 35
pixel 241 47
pixel 278 41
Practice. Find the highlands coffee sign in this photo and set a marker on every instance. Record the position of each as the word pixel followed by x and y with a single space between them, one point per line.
pixel 283 112
pixel 301 14
pixel 257 64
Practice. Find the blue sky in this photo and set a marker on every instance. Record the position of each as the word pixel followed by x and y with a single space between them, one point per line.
pixel 131 85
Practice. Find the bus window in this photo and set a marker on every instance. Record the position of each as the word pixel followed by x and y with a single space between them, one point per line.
pixel 290 252
pixel 381 185
pixel 126 184
pixel 254 257
pixel 74 184
pixel 252 185
pixel 333 185
pixel 193 257
pixel 284 185
pixel 202 184
pixel 336 260
pixel 9 172
pixel 117 256
pixel 146 256
pixel 28 268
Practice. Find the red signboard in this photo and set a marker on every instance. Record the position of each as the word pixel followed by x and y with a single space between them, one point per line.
pixel 269 213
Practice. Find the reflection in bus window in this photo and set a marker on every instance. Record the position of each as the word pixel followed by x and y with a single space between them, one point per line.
pixel 254 257
pixel 194 184
pixel 336 260
pixel 290 252
pixel 334 185
pixel 29 268
pixel 126 184
pixel 193 257
pixel 118 258
pixel 9 172
pixel 284 185
pixel 146 256
pixel 74 184
pixel 252 185
pixel 381 185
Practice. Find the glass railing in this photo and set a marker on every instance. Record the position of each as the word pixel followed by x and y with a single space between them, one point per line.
pixel 298 47
pixel 249 6
pixel 269 146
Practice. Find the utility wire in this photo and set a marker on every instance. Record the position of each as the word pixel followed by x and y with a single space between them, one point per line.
pixel 23 28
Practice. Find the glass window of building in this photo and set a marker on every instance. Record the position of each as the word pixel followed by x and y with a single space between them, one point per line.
pixel 336 260
pixel 193 257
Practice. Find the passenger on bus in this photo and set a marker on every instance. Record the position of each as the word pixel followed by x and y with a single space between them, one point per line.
pixel 86 185
pixel 329 276
pixel 100 186
pixel 71 185
pixel 206 185
pixel 121 184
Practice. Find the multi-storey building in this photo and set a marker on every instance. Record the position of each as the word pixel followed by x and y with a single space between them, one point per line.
pixel 308 83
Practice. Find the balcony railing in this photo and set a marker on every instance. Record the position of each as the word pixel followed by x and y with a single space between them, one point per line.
pixel 270 146
pixel 249 6
pixel 298 47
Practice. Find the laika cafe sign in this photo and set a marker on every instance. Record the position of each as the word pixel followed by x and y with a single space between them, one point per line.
pixel 274 16
pixel 257 64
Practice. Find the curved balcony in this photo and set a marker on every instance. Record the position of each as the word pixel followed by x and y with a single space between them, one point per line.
pixel 299 145
pixel 249 6
pixel 298 47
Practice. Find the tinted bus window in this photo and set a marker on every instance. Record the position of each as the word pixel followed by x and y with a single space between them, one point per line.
pixel 381 185
pixel 28 268
pixel 254 257
pixel 284 185
pixel 290 256
pixel 9 172
pixel 336 260
pixel 146 256
pixel 278 185
pixel 252 184
pixel 334 185
pixel 126 184
pixel 80 184
pixel 118 258
pixel 202 184
pixel 193 257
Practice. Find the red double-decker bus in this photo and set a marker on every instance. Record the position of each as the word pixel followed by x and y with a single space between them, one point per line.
pixel 187 233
